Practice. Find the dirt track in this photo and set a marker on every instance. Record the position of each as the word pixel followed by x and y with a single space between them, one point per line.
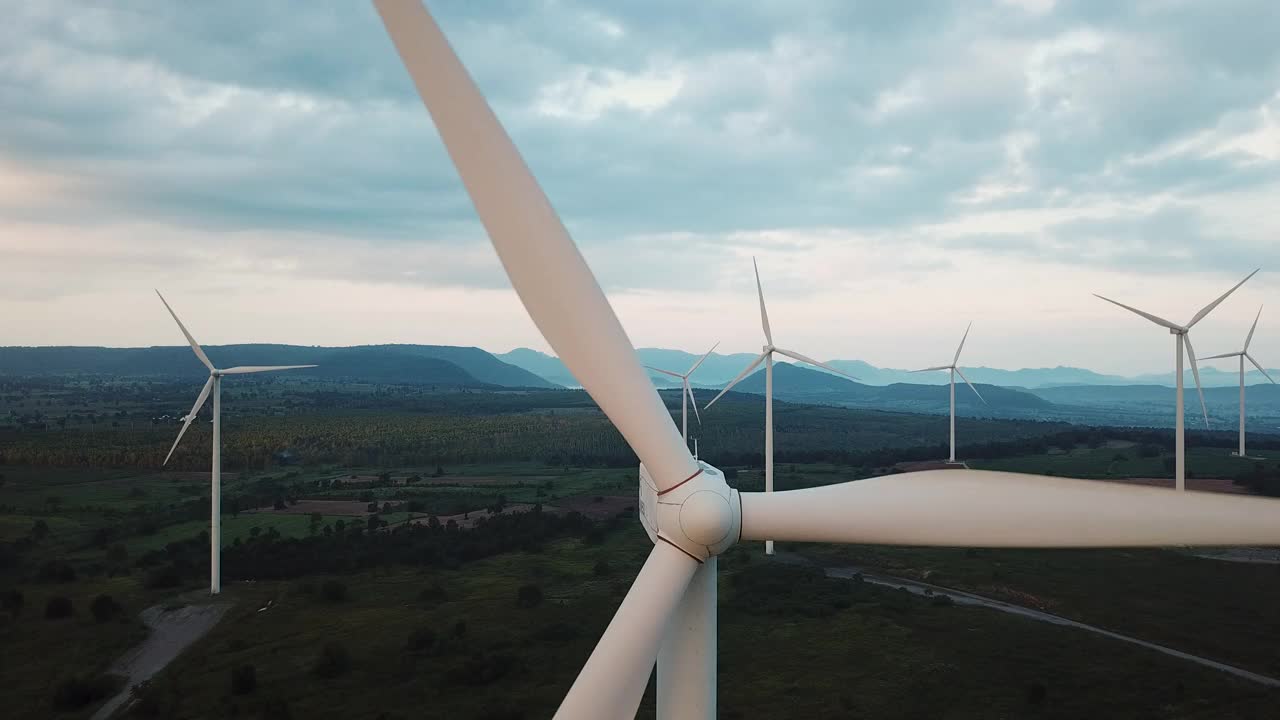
pixel 172 631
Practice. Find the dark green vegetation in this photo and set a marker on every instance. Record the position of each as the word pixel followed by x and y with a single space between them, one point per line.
pixel 344 607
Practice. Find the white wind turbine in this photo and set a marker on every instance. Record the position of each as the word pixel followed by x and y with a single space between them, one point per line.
pixel 213 386
pixel 1244 354
pixel 954 370
pixel 766 357
pixel 1182 337
pixel 686 393
pixel 687 508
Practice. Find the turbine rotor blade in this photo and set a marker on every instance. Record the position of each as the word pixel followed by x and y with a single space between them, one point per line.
pixel 191 416
pixel 805 359
pixel 1209 308
pixel 1153 318
pixel 971 387
pixel 1249 339
pixel 754 364
pixel 764 314
pixel 982 508
pixel 689 389
pixel 244 369
pixel 702 359
pixel 665 372
pixel 1260 368
pixel 612 682
pixel 956 359
pixel 1195 372
pixel 545 267
pixel 195 346
pixel 1223 355
pixel 938 367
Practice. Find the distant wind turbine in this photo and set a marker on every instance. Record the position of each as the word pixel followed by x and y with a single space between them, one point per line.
pixel 214 386
pixel 766 357
pixel 686 392
pixel 1243 354
pixel 1181 332
pixel 954 369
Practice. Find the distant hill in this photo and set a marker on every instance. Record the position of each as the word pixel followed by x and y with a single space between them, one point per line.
pixel 797 383
pixel 419 364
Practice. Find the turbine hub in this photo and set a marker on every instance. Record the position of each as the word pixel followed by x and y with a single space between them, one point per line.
pixel 702 515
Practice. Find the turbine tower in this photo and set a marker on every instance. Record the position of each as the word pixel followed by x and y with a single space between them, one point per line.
pixel 954 370
pixel 1182 339
pixel 688 510
pixel 213 386
pixel 686 392
pixel 1243 355
pixel 767 358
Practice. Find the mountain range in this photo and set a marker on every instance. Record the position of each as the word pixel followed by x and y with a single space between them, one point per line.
pixel 720 369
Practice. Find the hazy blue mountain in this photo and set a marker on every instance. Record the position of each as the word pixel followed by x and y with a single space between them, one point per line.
pixel 541 364
pixel 423 364
pixel 799 383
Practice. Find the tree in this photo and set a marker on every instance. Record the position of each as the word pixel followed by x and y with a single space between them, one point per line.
pixel 244 679
pixel 529 596
pixel 105 608
pixel 316 519
pixel 58 607
pixel 39 530
pixel 334 660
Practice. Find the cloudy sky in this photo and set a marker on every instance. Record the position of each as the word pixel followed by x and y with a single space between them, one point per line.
pixel 898 169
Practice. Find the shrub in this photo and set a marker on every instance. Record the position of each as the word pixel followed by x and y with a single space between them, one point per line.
pixel 334 660
pixel 244 679
pixel 333 591
pixel 56 571
pixel 163 577
pixel 601 568
pixel 433 594
pixel 58 607
pixel 75 692
pixel 420 640
pixel 529 596
pixel 12 601
pixel 105 608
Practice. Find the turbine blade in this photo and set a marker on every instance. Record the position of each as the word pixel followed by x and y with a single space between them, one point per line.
pixel 242 369
pixel 956 359
pixel 764 315
pixel 1223 355
pixel 191 416
pixel 694 403
pixel 937 367
pixel 612 682
pixel 805 359
pixel 195 346
pixel 702 359
pixel 1195 372
pixel 1249 339
pixel 754 364
pixel 982 508
pixel 1209 308
pixel 971 387
pixel 545 267
pixel 665 372
pixel 1260 368
pixel 1153 318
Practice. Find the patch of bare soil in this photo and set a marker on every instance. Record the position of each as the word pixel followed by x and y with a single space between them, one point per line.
pixel 597 507
pixel 469 519
pixel 1221 485
pixel 324 507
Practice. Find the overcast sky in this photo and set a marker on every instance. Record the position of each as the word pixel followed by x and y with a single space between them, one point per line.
pixel 898 168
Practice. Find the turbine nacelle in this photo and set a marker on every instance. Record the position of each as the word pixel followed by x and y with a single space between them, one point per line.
pixel 701 516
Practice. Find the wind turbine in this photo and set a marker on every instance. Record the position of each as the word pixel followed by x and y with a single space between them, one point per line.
pixel 689 511
pixel 686 393
pixel 213 386
pixel 1243 354
pixel 1183 339
pixel 954 370
pixel 767 358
